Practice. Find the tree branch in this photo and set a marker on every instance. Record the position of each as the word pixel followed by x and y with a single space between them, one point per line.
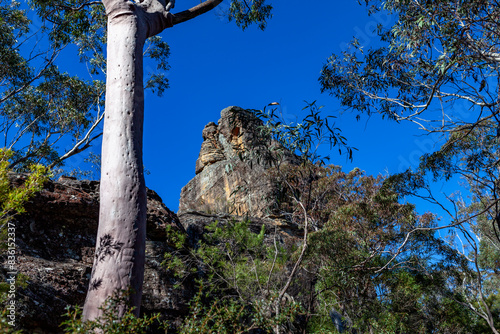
pixel 193 12
pixel 78 146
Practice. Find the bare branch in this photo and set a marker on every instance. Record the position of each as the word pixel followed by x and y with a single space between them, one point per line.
pixel 82 6
pixel 193 12
pixel 299 260
pixel 78 146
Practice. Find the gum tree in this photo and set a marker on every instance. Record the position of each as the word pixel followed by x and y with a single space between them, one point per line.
pixel 438 67
pixel 120 249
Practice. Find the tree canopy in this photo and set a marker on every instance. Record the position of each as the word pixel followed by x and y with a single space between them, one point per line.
pixel 39 104
pixel 437 66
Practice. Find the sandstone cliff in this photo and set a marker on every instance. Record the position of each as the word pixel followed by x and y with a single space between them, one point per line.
pixel 231 169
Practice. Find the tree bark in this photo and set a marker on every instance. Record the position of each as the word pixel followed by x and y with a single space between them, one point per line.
pixel 121 236
pixel 120 248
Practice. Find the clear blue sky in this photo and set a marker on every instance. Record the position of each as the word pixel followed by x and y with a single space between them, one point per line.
pixel 214 65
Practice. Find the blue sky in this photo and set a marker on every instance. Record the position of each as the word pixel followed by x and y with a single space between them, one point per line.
pixel 214 65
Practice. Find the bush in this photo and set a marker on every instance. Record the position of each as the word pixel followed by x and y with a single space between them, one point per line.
pixel 109 322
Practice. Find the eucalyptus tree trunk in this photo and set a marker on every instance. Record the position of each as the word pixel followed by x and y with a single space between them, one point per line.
pixel 120 247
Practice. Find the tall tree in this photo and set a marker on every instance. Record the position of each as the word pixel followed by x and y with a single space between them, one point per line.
pixel 438 66
pixel 120 249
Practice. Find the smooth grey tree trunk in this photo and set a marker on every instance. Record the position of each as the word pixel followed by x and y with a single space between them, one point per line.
pixel 120 248
pixel 121 236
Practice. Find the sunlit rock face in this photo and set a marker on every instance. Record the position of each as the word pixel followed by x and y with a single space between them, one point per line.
pixel 231 168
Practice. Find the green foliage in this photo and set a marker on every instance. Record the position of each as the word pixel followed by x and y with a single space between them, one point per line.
pixel 371 257
pixel 178 261
pixel 437 66
pixel 374 258
pixel 12 199
pixel 39 104
pixel 232 250
pixel 73 21
pixel 323 325
pixel 221 317
pixel 21 282
pixel 232 316
pixel 109 322
pixel 159 51
pixel 175 237
pixel 471 153
pixel 5 327
pixel 246 12
pixel 302 138
pixel 431 48
pixel 236 263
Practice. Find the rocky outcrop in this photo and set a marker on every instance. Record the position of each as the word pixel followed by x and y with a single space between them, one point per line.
pixel 55 242
pixel 231 169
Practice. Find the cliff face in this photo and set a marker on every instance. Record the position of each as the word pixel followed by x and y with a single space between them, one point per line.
pixel 231 168
pixel 55 243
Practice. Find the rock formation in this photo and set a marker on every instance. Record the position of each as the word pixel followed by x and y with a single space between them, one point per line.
pixel 231 168
pixel 55 243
